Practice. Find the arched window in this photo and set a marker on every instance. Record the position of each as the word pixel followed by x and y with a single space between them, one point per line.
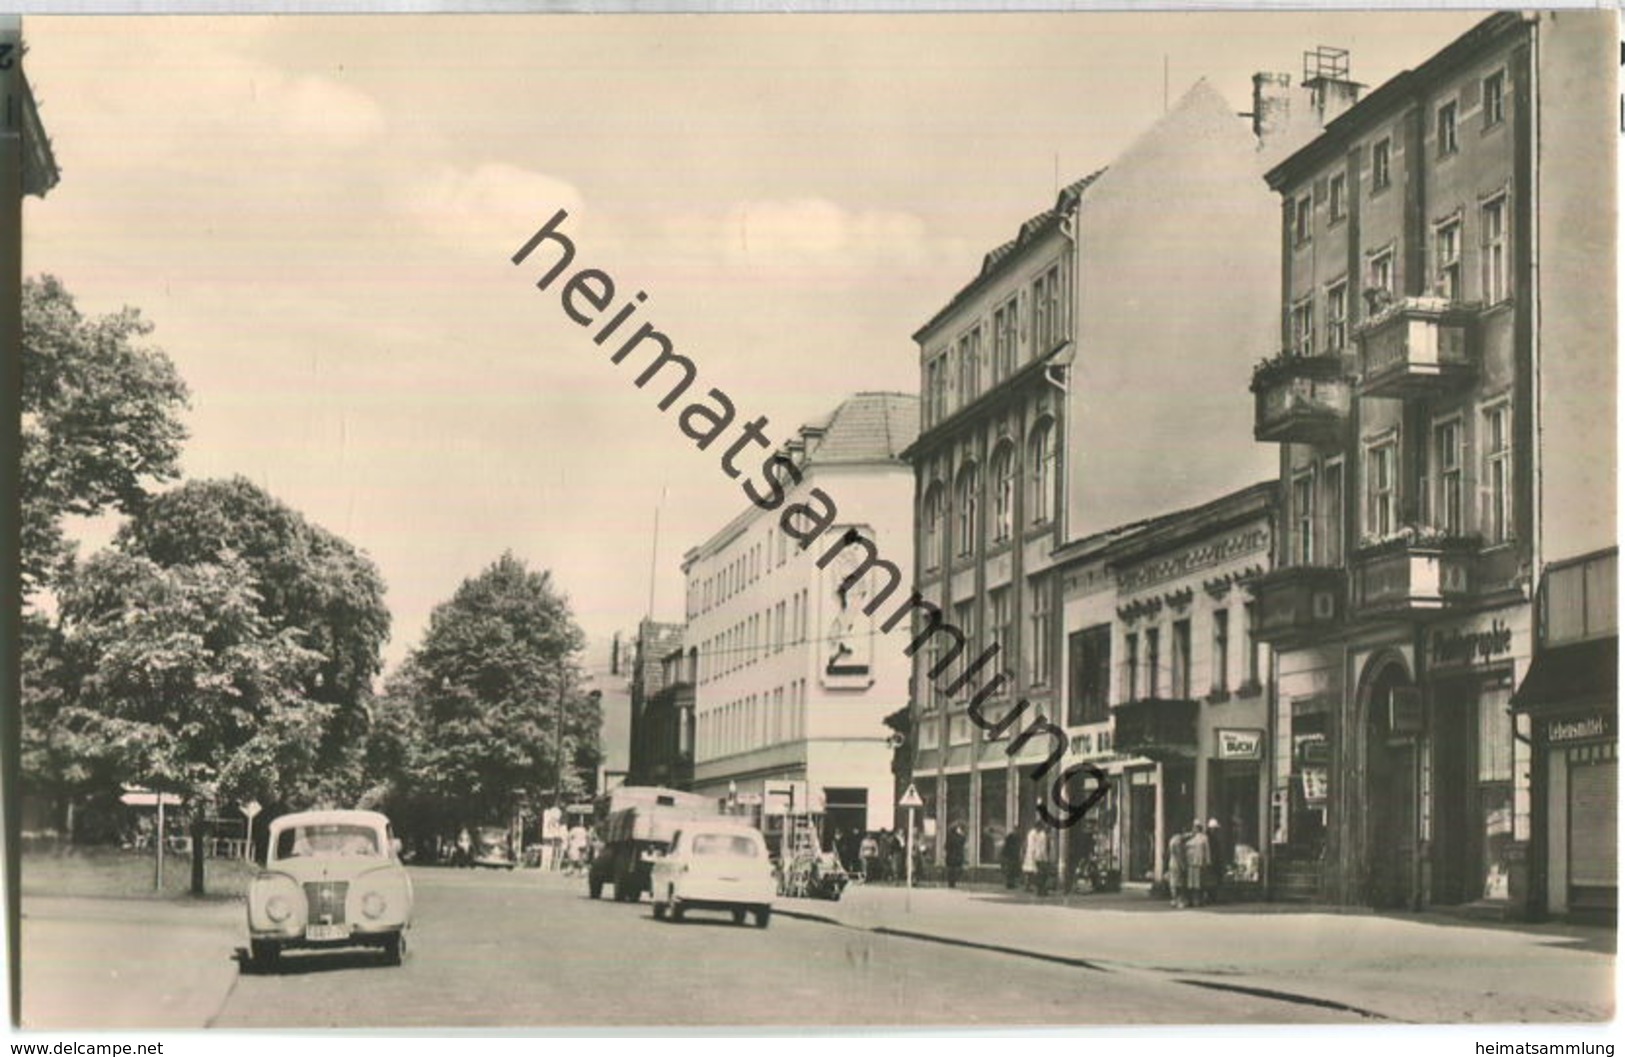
pixel 932 516
pixel 1004 491
pixel 965 506
pixel 1041 471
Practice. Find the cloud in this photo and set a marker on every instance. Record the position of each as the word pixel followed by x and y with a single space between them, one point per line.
pixel 494 204
pixel 326 111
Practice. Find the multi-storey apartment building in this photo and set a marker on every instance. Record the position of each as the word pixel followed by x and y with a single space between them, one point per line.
pixel 1442 399
pixel 662 681
pixel 793 679
pixel 1077 383
pixel 1168 687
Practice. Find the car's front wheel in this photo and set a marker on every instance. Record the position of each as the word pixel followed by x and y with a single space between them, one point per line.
pixel 763 916
pixel 265 954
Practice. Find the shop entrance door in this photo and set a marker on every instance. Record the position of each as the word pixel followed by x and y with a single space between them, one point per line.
pixel 1142 827
pixel 1391 806
pixel 1453 845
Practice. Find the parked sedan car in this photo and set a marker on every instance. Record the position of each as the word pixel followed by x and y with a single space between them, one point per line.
pixel 492 848
pixel 331 879
pixel 715 866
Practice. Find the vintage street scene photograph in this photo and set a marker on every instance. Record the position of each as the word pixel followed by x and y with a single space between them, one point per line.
pixel 812 521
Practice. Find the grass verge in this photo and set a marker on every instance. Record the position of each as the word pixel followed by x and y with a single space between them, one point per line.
pixel 115 873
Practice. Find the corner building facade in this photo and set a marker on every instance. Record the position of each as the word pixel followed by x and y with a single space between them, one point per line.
pixel 1424 398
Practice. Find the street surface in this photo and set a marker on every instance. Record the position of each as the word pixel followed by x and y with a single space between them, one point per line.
pixel 522 949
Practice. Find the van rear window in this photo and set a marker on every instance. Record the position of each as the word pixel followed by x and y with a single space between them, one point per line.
pixel 724 844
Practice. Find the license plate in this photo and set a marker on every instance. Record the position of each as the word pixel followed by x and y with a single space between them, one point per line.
pixel 326 932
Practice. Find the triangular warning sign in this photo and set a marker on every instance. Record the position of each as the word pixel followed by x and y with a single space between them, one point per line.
pixel 911 798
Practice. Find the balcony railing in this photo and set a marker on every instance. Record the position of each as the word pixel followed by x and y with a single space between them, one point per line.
pixel 1416 346
pixel 1299 600
pixel 1300 399
pixel 1413 574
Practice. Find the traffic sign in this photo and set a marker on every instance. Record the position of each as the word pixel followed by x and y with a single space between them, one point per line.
pixel 911 798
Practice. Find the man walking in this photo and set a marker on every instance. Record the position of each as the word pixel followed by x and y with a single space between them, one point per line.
pixel 956 853
pixel 1035 863
pixel 1177 871
pixel 1198 857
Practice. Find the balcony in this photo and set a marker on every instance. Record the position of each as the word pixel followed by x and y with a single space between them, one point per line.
pixel 1413 574
pixel 1300 399
pixel 1298 601
pixel 1157 728
pixel 1415 347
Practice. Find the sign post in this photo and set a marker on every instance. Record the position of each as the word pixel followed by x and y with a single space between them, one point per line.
pixel 249 810
pixel 911 800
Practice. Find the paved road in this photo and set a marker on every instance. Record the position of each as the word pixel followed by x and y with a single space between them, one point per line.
pixel 528 950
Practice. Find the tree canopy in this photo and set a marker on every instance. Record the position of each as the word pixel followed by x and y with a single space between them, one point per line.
pixel 486 689
pixel 99 420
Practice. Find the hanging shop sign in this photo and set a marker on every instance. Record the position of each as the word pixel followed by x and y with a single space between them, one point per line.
pixel 1314 784
pixel 1582 728
pixel 1239 744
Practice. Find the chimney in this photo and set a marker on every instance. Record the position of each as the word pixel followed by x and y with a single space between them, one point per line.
pixel 1272 104
pixel 1326 75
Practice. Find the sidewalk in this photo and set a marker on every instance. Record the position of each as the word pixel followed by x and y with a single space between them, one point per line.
pixel 93 963
pixel 1419 968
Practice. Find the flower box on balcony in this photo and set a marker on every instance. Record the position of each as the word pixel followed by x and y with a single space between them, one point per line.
pixel 1299 399
pixel 1416 346
pixel 1413 572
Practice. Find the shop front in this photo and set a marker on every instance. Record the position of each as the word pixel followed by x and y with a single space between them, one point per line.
pixel 1234 793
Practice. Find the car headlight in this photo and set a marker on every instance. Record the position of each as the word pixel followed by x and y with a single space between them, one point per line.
pixel 278 909
pixel 373 904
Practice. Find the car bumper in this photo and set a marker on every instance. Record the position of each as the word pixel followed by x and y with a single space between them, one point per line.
pixel 725 893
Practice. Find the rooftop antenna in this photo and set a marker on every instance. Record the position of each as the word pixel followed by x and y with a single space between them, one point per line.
pixel 654 553
pixel 1164 82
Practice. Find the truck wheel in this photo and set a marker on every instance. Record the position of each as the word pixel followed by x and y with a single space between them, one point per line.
pixel 763 916
pixel 660 911
pixel 739 915
pixel 595 887
pixel 676 910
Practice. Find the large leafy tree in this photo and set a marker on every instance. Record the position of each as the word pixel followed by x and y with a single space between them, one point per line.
pixel 99 420
pixel 308 581
pixel 488 686
pixel 185 685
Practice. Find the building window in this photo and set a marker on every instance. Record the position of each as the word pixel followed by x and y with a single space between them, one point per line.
pixel 1131 667
pixel 1497 447
pixel 1153 661
pixel 1005 323
pixel 936 388
pixel 1447 129
pixel 1381 152
pixel 1303 519
pixel 1221 651
pixel 1447 476
pixel 1180 647
pixel 1303 328
pixel 1004 491
pixel 999 627
pixel 1447 260
pixel 1091 663
pixel 1041 463
pixel 964 620
pixel 1381 498
pixel 966 503
pixel 1493 225
pixel 1251 645
pixel 1039 624
pixel 1380 289
pixel 970 366
pixel 1495 98
pixel 1332 516
pixel 1047 311
pixel 934 515
pixel 1337 316
pixel 1339 198
pixel 1301 216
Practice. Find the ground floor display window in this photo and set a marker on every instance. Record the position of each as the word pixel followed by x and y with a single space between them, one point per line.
pixel 1593 837
pixel 994 823
pixel 1141 824
pixel 1233 798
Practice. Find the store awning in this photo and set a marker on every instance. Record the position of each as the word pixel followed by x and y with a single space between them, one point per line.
pixel 1155 727
pixel 1577 674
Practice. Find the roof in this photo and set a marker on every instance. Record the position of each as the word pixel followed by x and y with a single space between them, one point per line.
pixel 334 817
pixel 1066 203
pixel 867 427
pixel 40 172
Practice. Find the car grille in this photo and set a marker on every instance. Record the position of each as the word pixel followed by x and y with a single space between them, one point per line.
pixel 326 899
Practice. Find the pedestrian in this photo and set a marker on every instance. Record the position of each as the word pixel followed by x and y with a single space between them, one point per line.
pixel 956 853
pixel 1198 858
pixel 1035 860
pixel 869 856
pixel 1220 859
pixel 1010 858
pixel 465 849
pixel 1176 871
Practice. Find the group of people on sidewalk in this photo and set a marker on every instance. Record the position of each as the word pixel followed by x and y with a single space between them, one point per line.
pixel 1193 865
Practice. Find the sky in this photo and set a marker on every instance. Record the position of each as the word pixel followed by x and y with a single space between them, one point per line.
pixel 317 214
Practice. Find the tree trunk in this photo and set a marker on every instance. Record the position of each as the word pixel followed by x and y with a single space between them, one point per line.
pixel 197 850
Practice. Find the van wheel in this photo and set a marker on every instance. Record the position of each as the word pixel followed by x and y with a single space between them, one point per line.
pixel 739 915
pixel 676 910
pixel 763 916
pixel 660 911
